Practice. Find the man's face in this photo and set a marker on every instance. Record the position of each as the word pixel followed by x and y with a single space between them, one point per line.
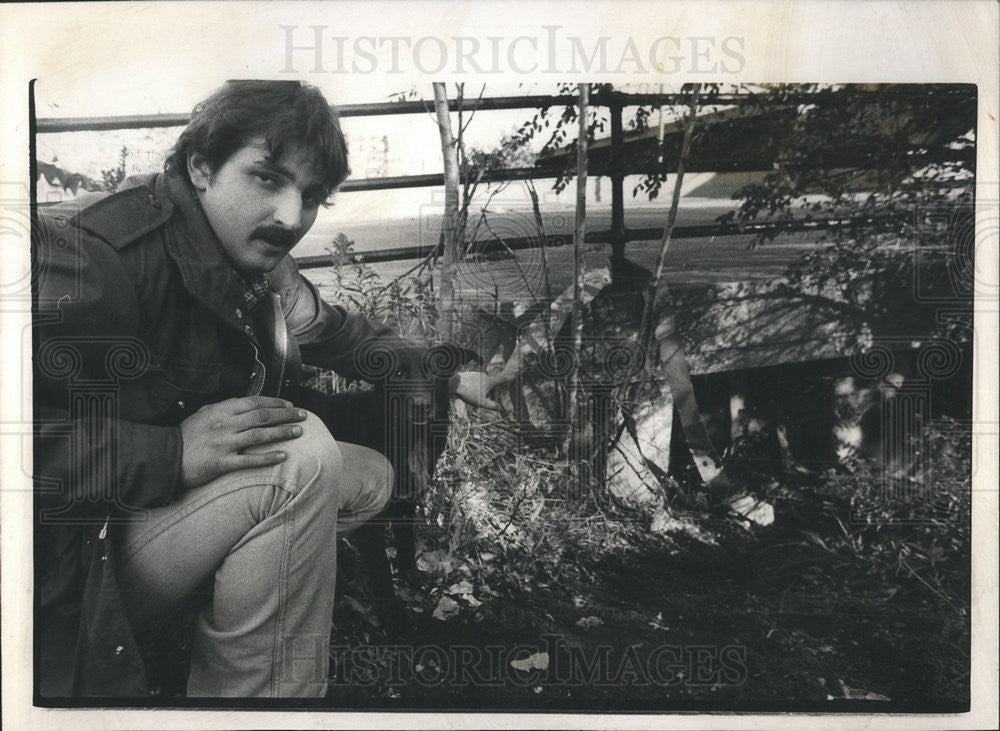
pixel 259 207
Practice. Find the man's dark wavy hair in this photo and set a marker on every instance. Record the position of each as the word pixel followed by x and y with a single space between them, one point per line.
pixel 283 112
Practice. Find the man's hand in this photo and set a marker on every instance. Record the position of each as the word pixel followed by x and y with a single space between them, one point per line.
pixel 215 436
pixel 474 388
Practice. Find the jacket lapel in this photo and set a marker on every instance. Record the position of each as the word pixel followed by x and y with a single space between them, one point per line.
pixel 192 244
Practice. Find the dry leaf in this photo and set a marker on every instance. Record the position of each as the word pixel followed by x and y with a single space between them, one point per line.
pixel 462 587
pixel 446 608
pixel 539 660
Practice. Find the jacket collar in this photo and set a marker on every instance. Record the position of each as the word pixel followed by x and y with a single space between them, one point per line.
pixel 194 247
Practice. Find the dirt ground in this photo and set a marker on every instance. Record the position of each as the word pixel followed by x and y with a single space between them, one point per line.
pixel 740 618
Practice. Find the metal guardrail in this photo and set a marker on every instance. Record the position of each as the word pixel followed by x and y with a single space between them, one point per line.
pixel 375 109
pixel 540 172
pixel 51 125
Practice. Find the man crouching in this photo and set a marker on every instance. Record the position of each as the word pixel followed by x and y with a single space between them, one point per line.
pixel 172 466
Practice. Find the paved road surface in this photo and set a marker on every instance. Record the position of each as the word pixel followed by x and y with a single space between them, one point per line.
pixel 508 221
pixel 689 261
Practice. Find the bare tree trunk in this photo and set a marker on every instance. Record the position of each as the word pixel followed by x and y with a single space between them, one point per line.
pixel 627 394
pixel 542 241
pixel 647 327
pixel 674 365
pixel 449 224
pixel 576 321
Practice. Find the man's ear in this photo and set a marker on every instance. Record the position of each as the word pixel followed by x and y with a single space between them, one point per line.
pixel 199 170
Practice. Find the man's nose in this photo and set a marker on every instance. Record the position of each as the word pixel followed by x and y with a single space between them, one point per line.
pixel 288 213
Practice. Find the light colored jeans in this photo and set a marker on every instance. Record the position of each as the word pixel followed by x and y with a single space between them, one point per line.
pixel 269 537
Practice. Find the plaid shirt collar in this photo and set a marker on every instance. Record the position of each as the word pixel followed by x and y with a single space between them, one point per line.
pixel 255 288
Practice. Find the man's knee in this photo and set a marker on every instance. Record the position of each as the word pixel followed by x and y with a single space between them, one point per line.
pixel 312 457
pixel 316 446
pixel 358 479
pixel 367 481
pixel 376 474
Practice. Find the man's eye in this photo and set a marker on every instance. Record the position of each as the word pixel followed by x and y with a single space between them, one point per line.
pixel 314 200
pixel 266 179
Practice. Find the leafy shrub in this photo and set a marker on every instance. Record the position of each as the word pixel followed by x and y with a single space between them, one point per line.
pixel 909 529
pixel 518 505
pixel 409 307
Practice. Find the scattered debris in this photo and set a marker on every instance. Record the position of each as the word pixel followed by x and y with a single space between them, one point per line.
pixel 756 511
pixel 858 693
pixel 658 622
pixel 462 587
pixel 436 562
pixel 446 608
pixel 539 660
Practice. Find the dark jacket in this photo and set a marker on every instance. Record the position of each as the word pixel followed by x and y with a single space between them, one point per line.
pixel 139 322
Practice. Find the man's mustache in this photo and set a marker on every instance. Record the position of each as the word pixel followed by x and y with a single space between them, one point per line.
pixel 276 236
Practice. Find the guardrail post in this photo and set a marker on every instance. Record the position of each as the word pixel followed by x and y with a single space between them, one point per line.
pixel 617 174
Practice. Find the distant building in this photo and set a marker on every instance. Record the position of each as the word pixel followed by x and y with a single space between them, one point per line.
pixel 56 185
